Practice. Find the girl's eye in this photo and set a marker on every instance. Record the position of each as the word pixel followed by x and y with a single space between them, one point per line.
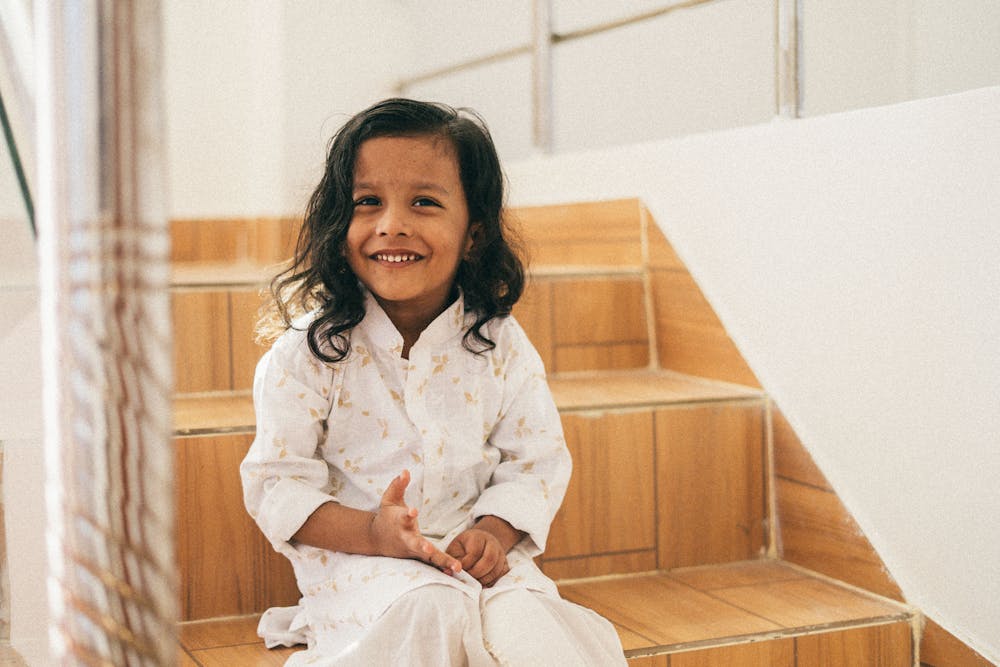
pixel 425 201
pixel 367 201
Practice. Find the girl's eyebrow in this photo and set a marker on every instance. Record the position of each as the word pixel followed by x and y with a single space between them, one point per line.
pixel 365 185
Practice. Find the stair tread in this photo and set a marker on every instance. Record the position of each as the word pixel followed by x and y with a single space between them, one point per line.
pixel 659 612
pixel 232 412
pixel 248 274
pixel 596 390
pixel 220 274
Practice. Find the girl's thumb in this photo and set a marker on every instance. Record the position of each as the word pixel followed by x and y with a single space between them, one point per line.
pixel 397 487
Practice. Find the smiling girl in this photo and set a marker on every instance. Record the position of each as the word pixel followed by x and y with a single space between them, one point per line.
pixel 409 458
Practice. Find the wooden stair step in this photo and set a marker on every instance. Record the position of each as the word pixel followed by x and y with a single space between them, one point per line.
pixel 764 612
pixel 610 390
pixel 254 275
pixel 220 275
pixel 232 412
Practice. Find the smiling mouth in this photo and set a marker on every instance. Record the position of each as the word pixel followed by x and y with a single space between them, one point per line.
pixel 396 258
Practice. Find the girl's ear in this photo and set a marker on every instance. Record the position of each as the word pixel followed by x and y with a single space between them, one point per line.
pixel 472 237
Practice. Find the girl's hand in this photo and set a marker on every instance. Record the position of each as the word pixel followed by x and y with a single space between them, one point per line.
pixel 481 555
pixel 394 531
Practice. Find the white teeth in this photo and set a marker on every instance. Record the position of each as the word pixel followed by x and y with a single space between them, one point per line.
pixel 396 258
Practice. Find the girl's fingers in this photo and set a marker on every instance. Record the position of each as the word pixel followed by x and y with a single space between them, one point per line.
pixel 494 576
pixel 441 560
pixel 397 487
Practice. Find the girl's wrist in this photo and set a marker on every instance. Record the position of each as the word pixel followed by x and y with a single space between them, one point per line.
pixel 374 548
pixel 499 528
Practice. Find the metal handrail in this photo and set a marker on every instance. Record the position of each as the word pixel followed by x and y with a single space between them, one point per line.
pixel 15 158
pixel 787 55
pixel 15 48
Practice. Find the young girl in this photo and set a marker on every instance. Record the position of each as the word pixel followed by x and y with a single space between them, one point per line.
pixel 409 458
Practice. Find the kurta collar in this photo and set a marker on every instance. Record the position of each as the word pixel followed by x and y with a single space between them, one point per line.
pixel 383 333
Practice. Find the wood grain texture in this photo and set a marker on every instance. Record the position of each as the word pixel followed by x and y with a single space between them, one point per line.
pixel 210 240
pixel 274 239
pixel 212 633
pixel 817 532
pixel 664 611
pixel 602 356
pixel 243 307
pixel 661 253
pixel 218 413
pixel 260 240
pixel 244 655
pixel 534 313
pixel 731 575
pixel 875 646
pixel 202 359
pixel 940 648
pixel 226 567
pixel 774 653
pixel 807 602
pixel 650 661
pixel 219 275
pixel 599 311
pixel 638 389
pixel 599 566
pixel 689 336
pixel 710 484
pixel 603 233
pixel 612 479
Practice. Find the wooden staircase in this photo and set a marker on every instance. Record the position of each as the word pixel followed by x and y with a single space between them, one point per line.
pixel 669 526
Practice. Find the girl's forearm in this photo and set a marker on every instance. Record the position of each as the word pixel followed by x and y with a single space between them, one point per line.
pixel 338 528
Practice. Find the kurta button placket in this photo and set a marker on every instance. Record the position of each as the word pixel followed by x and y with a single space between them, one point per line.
pixel 415 400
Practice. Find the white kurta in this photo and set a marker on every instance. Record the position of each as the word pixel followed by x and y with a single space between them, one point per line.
pixel 480 435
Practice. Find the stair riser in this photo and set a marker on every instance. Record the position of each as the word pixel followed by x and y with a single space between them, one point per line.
pixel 575 323
pixel 628 508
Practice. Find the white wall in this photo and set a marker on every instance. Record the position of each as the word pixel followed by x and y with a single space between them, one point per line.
pixel 853 258
pixel 861 53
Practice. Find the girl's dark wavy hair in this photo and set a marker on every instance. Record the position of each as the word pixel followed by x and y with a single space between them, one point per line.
pixel 319 278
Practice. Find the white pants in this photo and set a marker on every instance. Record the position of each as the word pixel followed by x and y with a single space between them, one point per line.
pixel 438 626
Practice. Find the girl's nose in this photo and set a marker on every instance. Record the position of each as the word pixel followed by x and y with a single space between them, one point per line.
pixel 393 222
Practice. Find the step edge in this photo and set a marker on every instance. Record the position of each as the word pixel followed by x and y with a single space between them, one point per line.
pixel 601 407
pixel 771 635
pixel 191 276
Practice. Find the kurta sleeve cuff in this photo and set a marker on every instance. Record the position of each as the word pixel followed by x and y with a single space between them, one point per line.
pixel 286 507
pixel 524 511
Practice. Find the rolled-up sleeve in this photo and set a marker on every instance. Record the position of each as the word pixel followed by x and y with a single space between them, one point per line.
pixel 528 485
pixel 284 478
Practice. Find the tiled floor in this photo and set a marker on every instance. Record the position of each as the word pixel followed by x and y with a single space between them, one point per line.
pixel 750 613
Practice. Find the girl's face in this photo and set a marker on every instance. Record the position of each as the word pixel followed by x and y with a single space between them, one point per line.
pixel 410 227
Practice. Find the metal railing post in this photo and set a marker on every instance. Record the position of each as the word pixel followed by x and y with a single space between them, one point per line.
pixel 541 76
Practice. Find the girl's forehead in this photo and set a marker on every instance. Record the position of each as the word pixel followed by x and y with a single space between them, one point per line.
pixel 395 157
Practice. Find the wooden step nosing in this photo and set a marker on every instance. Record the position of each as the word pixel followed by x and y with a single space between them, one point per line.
pixel 559 272
pixel 208 431
pixel 769 635
pixel 594 410
pixel 598 409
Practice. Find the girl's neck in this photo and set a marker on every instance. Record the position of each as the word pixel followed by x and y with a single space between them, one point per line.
pixel 410 323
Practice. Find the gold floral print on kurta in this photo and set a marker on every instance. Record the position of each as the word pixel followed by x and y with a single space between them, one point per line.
pixel 479 434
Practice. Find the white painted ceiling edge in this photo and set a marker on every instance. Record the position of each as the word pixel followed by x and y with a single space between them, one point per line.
pixel 855 260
